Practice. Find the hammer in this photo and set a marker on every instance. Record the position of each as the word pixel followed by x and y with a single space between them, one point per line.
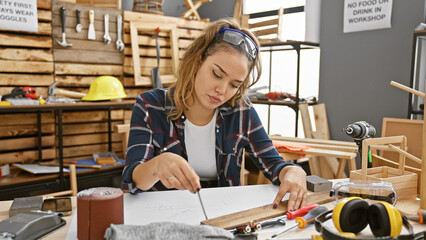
pixel 54 91
pixel 64 41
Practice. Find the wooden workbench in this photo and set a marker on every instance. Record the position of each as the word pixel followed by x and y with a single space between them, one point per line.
pixel 145 202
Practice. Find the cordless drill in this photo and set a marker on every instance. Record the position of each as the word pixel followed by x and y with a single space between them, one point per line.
pixel 359 131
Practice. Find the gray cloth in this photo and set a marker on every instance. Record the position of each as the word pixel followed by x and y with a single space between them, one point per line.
pixel 165 230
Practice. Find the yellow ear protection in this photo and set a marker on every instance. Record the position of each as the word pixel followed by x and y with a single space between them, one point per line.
pixel 352 215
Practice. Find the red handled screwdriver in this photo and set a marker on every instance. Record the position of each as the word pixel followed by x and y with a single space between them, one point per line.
pixel 300 212
pixel 309 218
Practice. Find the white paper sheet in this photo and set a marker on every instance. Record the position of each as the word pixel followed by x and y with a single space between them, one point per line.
pixel 38 169
pixel 183 206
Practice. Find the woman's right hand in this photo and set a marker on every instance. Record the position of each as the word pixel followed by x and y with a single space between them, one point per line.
pixel 175 172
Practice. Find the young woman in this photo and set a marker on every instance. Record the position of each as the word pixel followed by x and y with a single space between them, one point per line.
pixel 192 134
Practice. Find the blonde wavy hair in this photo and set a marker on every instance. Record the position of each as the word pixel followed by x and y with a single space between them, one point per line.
pixel 203 46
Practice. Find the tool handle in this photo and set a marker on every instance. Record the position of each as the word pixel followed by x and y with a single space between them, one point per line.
pixel 310 217
pixel 77 11
pixel 119 26
pixel 63 17
pixel 91 16
pixel 419 217
pixel 301 211
pixel 70 93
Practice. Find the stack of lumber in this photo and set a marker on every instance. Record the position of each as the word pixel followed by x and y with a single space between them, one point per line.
pixel 325 148
pixel 26 59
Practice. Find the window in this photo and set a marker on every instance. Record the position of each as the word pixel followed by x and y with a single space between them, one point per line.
pixel 280 119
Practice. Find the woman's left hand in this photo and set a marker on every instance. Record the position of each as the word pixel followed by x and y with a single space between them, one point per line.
pixel 293 181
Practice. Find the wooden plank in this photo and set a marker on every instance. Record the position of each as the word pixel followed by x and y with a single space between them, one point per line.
pixel 323 132
pixel 43 29
pixel 264 23
pixel 89 45
pixel 44 15
pixel 135 53
pixel 324 152
pixel 267 31
pixel 9 39
pixel 90 116
pixel 321 121
pixel 130 16
pixel 146 71
pixel 314 164
pixel 26 143
pixel 87 69
pixel 149 62
pixel 24 54
pixel 75 81
pixel 44 4
pixel 315 141
pixel 81 56
pixel 146 81
pixel 26 66
pixel 261 213
pixel 79 140
pixel 10 119
pixel 133 93
pixel 182 32
pixel 329 147
pixel 26 80
pixel 26 156
pixel 88 128
pixel 90 149
pixel 146 40
pixel 150 52
pixel 21 130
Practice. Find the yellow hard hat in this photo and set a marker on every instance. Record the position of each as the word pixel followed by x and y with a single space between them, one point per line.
pixel 105 88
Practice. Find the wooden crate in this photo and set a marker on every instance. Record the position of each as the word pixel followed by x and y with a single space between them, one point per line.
pixel 187 31
pixel 404 182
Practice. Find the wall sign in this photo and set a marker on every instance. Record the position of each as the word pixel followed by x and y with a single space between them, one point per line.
pixel 19 15
pixel 362 15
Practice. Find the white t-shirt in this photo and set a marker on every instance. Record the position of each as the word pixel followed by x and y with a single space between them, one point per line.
pixel 200 142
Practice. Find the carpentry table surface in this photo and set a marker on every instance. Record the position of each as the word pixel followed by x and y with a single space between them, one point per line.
pixel 182 206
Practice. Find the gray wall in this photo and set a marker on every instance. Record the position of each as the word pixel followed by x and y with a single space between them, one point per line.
pixel 212 10
pixel 356 68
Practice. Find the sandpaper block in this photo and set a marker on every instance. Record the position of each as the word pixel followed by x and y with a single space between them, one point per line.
pixel 25 204
pixel 58 204
pixel 317 184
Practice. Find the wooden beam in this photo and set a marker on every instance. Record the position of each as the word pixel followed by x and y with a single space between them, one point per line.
pixel 262 213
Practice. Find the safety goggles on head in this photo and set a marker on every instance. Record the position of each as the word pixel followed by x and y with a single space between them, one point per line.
pixel 235 37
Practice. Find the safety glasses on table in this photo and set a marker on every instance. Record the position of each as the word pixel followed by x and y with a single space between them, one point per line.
pixel 237 38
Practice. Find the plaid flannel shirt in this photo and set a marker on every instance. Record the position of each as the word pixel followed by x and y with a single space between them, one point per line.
pixel 237 128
